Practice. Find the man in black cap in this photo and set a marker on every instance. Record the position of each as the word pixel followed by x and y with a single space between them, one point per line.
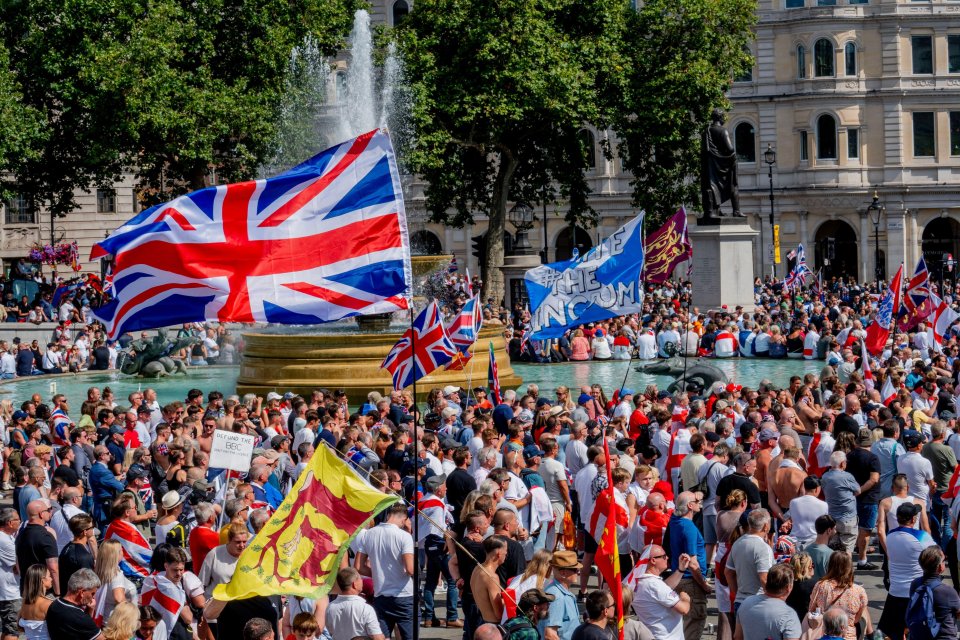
pixel 533 606
pixel 115 444
pixel 136 481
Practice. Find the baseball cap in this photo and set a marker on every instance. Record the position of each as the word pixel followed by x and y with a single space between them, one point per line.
pixel 626 391
pixel 450 390
pixel 273 395
pixel 449 443
pixel 663 395
pixel 768 434
pixel 864 438
pixel 584 398
pixel 136 472
pixel 116 429
pixel 712 436
pixel 532 451
pixel 908 511
pixel 946 414
pixel 276 441
pixel 734 387
pixel 912 438
pixel 20 415
pixel 533 597
pixel 435 482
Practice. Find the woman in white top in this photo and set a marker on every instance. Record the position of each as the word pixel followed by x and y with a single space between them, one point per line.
pixel 114 586
pixel 600 346
pixel 171 507
pixel 37 581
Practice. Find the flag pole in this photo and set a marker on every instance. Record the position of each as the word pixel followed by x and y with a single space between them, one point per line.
pixel 416 501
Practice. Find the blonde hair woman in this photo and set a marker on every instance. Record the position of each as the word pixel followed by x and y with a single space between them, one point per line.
pixel 114 586
pixel 533 577
pixel 123 622
pixel 564 399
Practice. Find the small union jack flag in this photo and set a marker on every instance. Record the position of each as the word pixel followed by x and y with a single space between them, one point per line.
pixel 798 275
pixel 465 326
pixel 421 349
pixel 915 303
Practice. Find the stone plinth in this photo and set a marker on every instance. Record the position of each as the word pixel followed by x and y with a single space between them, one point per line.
pixel 723 264
pixel 302 362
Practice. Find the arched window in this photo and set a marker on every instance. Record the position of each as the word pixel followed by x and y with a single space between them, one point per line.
pixel 801 61
pixel 850 59
pixel 400 11
pixel 826 138
pixel 823 58
pixel 744 139
pixel 588 145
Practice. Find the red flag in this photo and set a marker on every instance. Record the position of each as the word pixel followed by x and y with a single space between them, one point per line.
pixel 879 329
pixel 603 527
pixel 665 248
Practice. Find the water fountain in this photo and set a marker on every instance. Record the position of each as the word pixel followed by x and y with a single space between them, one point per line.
pixel 338 355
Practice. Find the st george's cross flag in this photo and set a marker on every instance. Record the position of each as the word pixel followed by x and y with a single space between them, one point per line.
pixel 943 319
pixel 421 349
pixel 164 597
pixel 865 370
pixel 323 241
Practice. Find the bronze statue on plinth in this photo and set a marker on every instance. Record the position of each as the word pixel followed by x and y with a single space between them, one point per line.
pixel 718 172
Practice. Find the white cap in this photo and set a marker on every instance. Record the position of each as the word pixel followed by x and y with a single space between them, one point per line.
pixel 273 395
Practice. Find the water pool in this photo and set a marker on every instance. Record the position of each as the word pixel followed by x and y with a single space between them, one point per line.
pixel 610 374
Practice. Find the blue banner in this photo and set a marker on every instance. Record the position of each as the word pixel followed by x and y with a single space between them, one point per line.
pixel 605 283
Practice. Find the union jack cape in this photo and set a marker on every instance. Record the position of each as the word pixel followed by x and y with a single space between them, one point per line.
pixel 61 423
pixel 422 348
pixel 323 241
pixel 135 561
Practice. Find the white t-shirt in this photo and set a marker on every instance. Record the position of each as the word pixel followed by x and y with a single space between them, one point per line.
pixel 349 617
pixel 518 491
pixel 647 346
pixel 582 483
pixel 903 551
pixel 60 524
pixel 217 568
pixel 918 471
pixel 804 511
pixel 386 544
pixel 653 601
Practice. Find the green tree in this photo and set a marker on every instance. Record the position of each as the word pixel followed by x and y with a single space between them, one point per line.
pixel 500 91
pixel 680 57
pixel 178 91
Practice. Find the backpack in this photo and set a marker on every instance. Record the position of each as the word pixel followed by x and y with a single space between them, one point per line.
pixel 519 628
pixel 921 620
pixel 703 486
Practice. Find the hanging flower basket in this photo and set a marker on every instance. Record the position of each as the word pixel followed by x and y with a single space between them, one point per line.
pixel 54 254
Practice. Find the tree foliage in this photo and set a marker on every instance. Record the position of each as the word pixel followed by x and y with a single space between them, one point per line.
pixel 680 57
pixel 178 91
pixel 500 92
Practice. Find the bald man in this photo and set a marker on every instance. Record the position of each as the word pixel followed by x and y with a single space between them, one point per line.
pixel 847 421
pixel 37 543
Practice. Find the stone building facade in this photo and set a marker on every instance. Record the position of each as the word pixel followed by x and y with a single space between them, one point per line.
pixel 856 97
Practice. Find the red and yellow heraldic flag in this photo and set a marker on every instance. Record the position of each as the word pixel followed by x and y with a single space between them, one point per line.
pixel 298 551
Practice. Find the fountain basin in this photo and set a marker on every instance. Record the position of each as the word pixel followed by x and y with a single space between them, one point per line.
pixel 351 361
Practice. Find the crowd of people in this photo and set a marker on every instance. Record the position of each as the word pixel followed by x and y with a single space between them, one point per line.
pixel 764 503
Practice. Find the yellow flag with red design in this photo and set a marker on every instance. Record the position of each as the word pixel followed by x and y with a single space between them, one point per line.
pixel 298 551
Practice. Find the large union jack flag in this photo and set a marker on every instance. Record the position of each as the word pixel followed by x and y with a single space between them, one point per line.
pixel 421 349
pixel 917 303
pixel 798 275
pixel 323 241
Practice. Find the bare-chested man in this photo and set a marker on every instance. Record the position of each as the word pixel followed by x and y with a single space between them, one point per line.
pixel 484 583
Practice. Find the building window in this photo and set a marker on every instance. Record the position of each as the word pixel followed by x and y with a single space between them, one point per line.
pixel 793 4
pixel 853 144
pixel 924 145
pixel 826 138
pixel 955 133
pixel 922 47
pixel 857 1
pixel 953 53
pixel 823 58
pixel 589 146
pixel 745 141
pixel 850 59
pixel 801 61
pixel 826 3
pixel 400 11
pixel 19 210
pixel 804 146
pixel 747 74
pixel 106 201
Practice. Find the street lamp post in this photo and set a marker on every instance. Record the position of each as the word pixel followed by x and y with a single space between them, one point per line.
pixel 770 157
pixel 874 209
pixel 521 217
